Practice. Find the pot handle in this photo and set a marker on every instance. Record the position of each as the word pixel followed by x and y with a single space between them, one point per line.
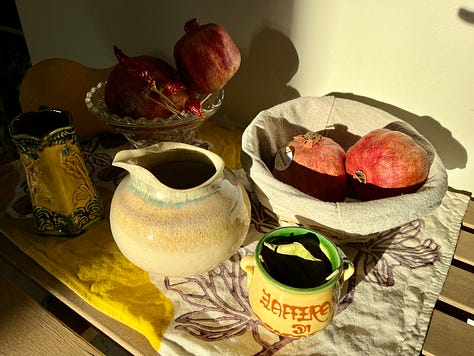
pixel 347 270
pixel 248 264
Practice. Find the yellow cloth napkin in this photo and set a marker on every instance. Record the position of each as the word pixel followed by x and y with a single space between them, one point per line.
pixel 226 140
pixel 92 265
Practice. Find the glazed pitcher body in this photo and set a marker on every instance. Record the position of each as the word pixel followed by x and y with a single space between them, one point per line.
pixel 63 196
pixel 177 213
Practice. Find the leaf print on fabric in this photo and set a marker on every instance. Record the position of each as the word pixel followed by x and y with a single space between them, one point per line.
pixel 377 259
pixel 398 247
pixel 97 160
pixel 217 316
pixel 220 306
pixel 261 219
pixel 98 153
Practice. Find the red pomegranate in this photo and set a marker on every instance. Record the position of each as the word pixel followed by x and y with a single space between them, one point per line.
pixel 127 92
pixel 386 163
pixel 313 164
pixel 206 57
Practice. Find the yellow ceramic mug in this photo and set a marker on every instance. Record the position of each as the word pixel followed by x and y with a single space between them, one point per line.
pixel 288 310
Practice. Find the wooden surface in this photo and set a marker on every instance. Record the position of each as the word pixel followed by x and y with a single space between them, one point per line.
pixel 126 337
pixel 448 336
pixel 458 289
pixel 26 328
pixel 469 217
pixel 449 332
pixel 464 251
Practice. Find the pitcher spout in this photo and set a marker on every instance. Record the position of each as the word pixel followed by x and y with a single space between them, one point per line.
pixel 170 170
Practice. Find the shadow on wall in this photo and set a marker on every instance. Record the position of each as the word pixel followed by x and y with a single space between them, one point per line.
pixel 451 152
pixel 262 79
pixel 466 15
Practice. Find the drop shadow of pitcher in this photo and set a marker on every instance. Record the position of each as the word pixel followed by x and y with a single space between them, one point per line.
pixel 64 199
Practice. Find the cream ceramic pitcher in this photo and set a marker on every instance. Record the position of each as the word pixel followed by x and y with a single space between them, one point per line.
pixel 178 212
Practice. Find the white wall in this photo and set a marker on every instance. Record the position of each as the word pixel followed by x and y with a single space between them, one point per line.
pixel 414 59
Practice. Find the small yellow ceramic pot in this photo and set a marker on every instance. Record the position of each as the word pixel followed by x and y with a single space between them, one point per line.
pixel 292 311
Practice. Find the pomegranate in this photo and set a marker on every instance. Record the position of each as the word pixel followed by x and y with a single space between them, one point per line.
pixel 206 57
pixel 313 164
pixel 131 88
pixel 386 163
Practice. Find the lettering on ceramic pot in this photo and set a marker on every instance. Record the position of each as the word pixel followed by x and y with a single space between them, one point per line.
pixel 301 329
pixel 319 312
pixel 298 330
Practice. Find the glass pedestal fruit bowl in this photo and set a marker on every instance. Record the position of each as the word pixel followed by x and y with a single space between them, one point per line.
pixel 144 132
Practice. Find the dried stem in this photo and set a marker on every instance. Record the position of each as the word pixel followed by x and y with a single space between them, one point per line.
pixel 166 106
pixel 206 98
pixel 167 103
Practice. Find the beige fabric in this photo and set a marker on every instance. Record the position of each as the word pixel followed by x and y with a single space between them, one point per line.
pixel 344 121
pixel 386 311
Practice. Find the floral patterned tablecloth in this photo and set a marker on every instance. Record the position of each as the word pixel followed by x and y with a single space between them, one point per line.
pixel 385 311
pixel 386 308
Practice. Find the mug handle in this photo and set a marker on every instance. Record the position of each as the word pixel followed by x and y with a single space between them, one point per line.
pixel 347 270
pixel 248 264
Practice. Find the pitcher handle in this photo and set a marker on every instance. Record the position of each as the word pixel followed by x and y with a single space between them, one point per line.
pixel 248 264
